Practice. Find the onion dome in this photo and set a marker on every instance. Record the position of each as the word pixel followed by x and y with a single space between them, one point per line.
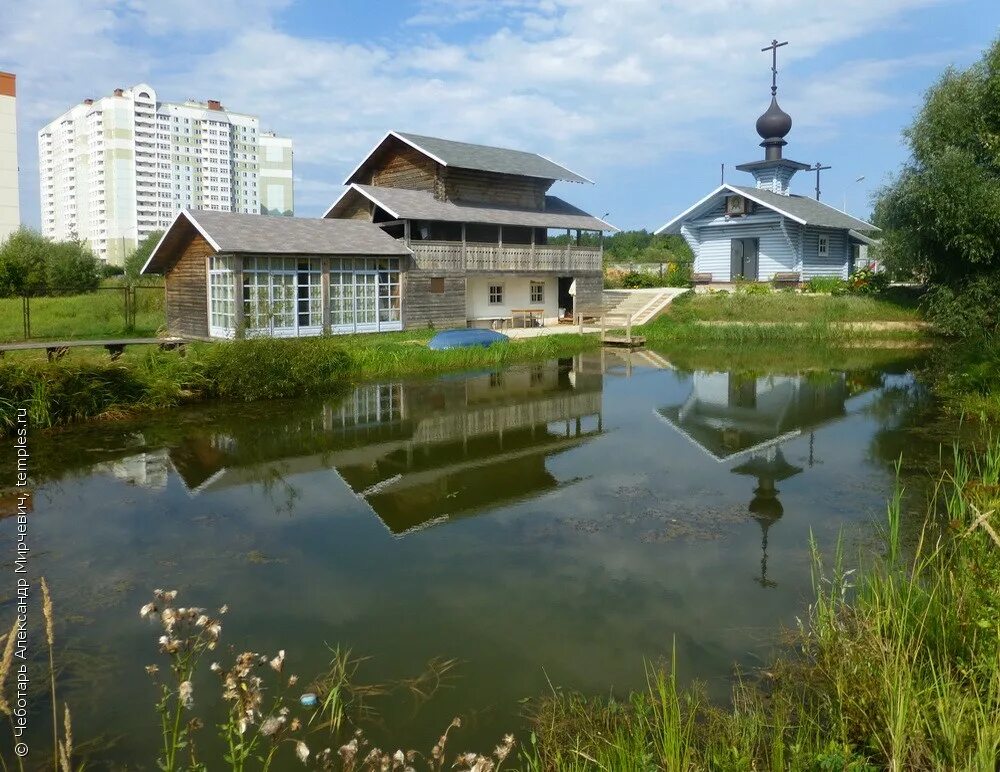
pixel 775 123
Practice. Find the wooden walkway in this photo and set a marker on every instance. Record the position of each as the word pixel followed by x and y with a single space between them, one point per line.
pixel 57 349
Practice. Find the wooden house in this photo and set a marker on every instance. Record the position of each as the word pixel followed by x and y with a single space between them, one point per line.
pixel 487 239
pixel 764 232
pixel 428 233
pixel 227 273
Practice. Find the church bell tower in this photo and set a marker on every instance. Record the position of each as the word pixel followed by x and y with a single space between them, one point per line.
pixel 774 173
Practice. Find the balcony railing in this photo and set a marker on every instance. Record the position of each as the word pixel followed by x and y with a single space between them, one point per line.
pixel 453 256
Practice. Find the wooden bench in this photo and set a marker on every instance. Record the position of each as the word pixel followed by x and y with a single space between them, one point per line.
pixel 786 279
pixel 701 278
pixel 58 349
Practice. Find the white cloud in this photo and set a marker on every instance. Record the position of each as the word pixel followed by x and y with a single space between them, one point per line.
pixel 595 84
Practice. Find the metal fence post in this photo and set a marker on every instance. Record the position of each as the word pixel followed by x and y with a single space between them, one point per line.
pixel 26 315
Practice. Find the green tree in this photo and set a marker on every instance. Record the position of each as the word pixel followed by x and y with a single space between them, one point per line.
pixel 70 268
pixel 23 258
pixel 137 259
pixel 941 212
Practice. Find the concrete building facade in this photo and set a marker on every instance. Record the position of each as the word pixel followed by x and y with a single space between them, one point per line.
pixel 10 212
pixel 115 169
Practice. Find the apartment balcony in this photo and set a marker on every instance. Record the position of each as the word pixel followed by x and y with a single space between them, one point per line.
pixel 452 256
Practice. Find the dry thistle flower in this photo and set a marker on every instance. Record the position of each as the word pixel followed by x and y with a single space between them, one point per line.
pixel 293 679
pixel 302 751
pixel 152 669
pixel 278 663
pixel 185 693
pixel 348 752
pixel 145 611
pixel 296 725
pixel 271 725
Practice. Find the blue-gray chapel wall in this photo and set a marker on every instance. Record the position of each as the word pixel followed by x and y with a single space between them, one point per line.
pixel 775 253
pixel 836 264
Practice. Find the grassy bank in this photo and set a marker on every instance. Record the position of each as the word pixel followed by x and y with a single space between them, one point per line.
pixel 965 374
pixel 94 315
pixel 896 670
pixel 786 318
pixel 896 305
pixel 87 385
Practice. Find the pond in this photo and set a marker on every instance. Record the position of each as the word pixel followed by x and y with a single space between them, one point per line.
pixel 488 534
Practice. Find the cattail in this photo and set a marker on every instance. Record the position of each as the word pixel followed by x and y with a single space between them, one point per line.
pixel 50 634
pixel 5 662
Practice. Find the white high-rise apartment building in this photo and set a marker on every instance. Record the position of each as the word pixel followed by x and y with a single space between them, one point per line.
pixel 10 217
pixel 115 169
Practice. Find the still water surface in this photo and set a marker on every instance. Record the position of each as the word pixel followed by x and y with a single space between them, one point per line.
pixel 561 522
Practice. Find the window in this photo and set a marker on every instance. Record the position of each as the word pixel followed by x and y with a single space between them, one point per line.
pixel 537 292
pixel 437 284
pixel 222 300
pixel 823 248
pixel 496 294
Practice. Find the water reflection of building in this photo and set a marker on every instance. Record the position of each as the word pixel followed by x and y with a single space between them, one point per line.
pixel 416 452
pixel 744 419
pixel 148 469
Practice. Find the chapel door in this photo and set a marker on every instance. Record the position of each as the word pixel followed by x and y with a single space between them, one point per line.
pixel 743 254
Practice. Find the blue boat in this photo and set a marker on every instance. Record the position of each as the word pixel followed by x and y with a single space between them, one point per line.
pixel 465 338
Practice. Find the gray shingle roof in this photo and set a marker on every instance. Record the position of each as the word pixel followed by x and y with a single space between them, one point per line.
pixel 421 205
pixel 261 234
pixel 809 209
pixel 486 158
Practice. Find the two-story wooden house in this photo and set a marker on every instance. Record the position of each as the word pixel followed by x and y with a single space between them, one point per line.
pixel 429 233
pixel 486 239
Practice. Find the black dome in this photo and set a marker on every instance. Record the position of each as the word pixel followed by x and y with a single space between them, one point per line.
pixel 775 123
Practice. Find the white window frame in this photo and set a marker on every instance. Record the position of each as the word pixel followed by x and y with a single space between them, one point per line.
pixel 495 298
pixel 823 246
pixel 540 287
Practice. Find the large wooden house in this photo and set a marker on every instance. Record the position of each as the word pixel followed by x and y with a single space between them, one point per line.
pixel 428 233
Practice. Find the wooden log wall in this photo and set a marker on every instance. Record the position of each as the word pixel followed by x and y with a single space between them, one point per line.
pixel 404 167
pixel 489 188
pixel 186 287
pixel 423 308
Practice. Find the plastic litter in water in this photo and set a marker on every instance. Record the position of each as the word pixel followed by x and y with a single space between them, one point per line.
pixel 308 699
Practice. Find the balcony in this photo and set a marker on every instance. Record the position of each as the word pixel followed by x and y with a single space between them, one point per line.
pixel 452 256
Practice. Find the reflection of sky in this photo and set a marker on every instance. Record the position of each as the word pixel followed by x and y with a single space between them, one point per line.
pixel 645 542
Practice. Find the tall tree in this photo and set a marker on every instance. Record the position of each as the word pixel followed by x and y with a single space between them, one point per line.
pixel 941 213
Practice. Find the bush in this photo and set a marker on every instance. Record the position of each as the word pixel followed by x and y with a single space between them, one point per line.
pixel 108 271
pixel 637 280
pixel 679 275
pixel 967 308
pixel 868 281
pixel 752 288
pixel 827 285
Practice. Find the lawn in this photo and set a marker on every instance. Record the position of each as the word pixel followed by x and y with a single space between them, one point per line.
pixel 898 305
pixel 99 314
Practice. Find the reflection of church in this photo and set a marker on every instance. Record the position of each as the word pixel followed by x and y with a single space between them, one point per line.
pixel 416 452
pixel 744 419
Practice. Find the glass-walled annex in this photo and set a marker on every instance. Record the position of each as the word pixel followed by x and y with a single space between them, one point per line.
pixel 285 296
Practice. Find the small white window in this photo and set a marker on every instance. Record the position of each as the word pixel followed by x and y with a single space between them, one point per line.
pixel 823 248
pixel 537 292
pixel 496 294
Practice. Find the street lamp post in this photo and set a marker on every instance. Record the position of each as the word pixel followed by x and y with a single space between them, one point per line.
pixel 859 179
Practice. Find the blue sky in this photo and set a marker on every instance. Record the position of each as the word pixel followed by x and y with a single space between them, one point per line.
pixel 646 97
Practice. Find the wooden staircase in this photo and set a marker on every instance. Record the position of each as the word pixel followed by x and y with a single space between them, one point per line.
pixel 641 305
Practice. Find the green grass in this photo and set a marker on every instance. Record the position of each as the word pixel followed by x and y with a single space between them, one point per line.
pixel 94 315
pixel 788 307
pixel 896 670
pixel 965 375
